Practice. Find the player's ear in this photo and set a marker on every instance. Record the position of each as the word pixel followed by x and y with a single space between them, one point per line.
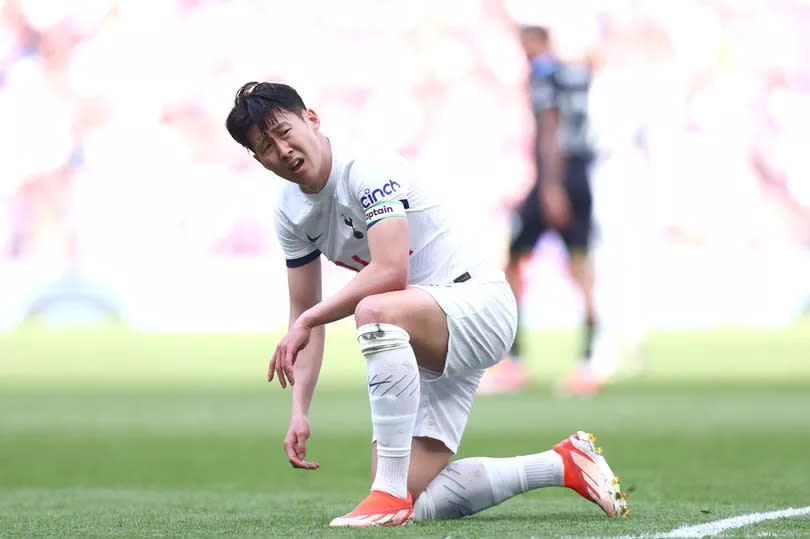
pixel 313 119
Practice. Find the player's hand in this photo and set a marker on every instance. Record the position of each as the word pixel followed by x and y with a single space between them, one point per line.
pixel 555 204
pixel 295 444
pixel 286 353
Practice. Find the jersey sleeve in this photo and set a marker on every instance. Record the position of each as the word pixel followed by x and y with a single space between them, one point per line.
pixel 297 252
pixel 380 188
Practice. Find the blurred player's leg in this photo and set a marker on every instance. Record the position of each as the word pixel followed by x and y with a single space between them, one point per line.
pixel 471 485
pixel 582 379
pixel 581 272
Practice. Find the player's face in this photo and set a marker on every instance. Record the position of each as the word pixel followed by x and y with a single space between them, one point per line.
pixel 293 148
pixel 533 45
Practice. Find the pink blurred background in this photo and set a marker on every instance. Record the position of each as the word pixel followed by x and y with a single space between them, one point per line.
pixel 123 197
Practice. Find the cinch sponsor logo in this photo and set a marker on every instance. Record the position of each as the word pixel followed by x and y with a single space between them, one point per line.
pixel 378 211
pixel 371 197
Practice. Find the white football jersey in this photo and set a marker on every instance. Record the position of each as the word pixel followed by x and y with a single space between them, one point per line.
pixel 360 192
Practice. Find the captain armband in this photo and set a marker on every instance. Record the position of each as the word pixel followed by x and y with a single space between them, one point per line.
pixel 383 210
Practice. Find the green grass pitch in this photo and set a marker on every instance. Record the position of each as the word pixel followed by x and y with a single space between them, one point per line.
pixel 106 433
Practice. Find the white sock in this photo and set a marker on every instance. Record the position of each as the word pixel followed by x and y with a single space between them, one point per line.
pixel 471 485
pixel 392 475
pixel 542 469
pixel 393 391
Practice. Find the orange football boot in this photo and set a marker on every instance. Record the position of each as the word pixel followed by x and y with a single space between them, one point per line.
pixel 378 509
pixel 586 471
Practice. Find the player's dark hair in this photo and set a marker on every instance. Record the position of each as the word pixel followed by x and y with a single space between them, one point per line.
pixel 258 104
pixel 536 31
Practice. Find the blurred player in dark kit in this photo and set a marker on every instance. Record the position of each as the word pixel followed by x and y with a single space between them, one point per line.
pixel 560 200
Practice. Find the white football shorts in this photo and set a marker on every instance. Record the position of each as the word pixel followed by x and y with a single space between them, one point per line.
pixel 482 321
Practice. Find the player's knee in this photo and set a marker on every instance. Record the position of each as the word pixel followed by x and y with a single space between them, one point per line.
pixel 374 310
pixel 379 337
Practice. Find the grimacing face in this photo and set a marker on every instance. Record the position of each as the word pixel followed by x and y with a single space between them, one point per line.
pixel 294 149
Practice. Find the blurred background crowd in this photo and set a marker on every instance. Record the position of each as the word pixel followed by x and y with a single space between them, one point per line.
pixel 122 196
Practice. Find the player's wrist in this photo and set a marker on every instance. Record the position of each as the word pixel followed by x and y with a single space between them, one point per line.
pixel 305 321
pixel 297 414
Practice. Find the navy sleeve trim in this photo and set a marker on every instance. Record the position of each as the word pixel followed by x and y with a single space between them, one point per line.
pixel 304 260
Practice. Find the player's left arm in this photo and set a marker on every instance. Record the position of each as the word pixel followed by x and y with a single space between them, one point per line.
pixel 387 271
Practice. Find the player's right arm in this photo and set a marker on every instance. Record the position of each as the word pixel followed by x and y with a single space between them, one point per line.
pixel 553 197
pixel 304 284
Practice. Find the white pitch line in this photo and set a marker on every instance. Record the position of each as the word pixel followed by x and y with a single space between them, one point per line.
pixel 719 526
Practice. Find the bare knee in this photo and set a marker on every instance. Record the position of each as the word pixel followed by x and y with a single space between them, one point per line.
pixel 374 310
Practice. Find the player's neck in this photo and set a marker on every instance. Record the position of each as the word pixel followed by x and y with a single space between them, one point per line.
pixel 324 172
